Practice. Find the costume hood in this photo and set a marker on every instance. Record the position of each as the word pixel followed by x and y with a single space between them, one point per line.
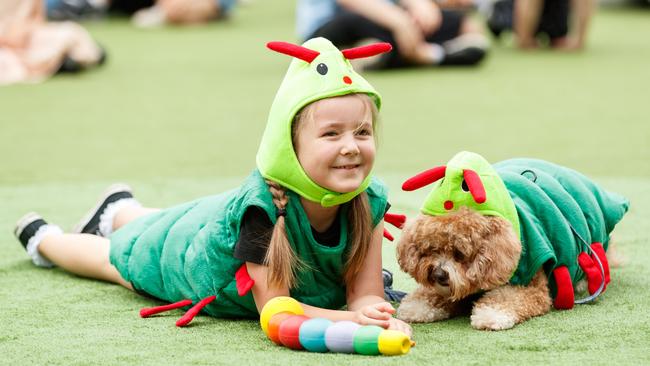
pixel 468 180
pixel 319 70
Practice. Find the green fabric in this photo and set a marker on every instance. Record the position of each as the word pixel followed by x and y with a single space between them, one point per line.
pixel 557 206
pixel 302 84
pixel 187 251
pixel 498 202
pixel 548 205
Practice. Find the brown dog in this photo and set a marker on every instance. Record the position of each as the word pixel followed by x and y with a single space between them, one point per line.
pixel 507 241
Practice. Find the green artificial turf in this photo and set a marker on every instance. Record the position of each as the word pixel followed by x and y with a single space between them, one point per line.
pixel 178 114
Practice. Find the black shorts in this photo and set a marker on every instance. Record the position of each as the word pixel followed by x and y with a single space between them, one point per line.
pixel 347 28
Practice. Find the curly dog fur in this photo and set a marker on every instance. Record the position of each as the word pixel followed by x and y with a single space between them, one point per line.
pixel 458 257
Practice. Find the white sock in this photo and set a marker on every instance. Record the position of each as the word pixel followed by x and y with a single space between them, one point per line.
pixel 107 217
pixel 437 53
pixel 35 241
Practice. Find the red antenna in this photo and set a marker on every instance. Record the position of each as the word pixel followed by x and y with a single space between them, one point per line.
pixel 424 178
pixel 366 51
pixel 293 50
pixel 475 185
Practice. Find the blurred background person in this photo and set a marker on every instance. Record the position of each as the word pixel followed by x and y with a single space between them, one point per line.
pixel 32 49
pixel 146 13
pixel 421 33
pixel 560 24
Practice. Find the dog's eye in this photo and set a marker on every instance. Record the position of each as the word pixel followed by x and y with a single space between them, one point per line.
pixel 464 186
pixel 458 255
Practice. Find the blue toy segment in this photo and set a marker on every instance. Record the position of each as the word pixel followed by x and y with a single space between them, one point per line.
pixel 340 336
pixel 312 334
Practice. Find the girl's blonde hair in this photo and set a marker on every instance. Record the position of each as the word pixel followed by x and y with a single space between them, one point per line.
pixel 281 260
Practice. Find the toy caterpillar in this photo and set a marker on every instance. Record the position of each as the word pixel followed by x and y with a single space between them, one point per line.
pixel 283 321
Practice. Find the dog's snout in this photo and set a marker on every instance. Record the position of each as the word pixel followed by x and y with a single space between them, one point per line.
pixel 441 276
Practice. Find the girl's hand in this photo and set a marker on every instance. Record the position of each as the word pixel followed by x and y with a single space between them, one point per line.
pixel 376 314
pixel 400 325
pixel 425 13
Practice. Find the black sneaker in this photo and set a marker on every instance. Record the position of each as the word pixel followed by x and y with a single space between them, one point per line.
pixel 389 293
pixel 465 50
pixel 90 222
pixel 27 227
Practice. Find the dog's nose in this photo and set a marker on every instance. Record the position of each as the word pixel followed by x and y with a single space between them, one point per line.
pixel 441 276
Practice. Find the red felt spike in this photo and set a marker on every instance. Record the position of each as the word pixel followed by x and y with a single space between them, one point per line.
pixel 424 178
pixel 592 272
pixel 387 235
pixel 475 185
pixel 564 297
pixel 600 252
pixel 190 314
pixel 395 219
pixel 367 51
pixel 294 50
pixel 243 280
pixel 146 312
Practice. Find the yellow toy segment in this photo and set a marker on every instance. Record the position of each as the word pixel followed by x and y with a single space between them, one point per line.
pixel 393 343
pixel 278 305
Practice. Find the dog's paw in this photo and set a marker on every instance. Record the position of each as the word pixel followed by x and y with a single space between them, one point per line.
pixel 419 311
pixel 487 318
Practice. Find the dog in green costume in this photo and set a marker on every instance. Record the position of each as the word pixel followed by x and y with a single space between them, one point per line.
pixel 507 241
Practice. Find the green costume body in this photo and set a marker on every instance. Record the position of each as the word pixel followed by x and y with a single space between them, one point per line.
pixel 186 252
pixel 558 212
pixel 561 212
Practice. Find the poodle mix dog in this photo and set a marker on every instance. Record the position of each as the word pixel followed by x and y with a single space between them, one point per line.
pixel 507 242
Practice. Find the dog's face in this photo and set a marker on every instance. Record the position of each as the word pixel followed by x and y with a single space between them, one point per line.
pixel 460 253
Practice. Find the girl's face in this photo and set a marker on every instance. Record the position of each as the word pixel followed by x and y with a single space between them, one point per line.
pixel 336 146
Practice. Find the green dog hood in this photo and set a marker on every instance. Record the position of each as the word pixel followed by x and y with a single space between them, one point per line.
pixel 319 70
pixel 468 180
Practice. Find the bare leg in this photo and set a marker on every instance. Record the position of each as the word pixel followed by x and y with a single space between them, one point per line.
pixel 526 21
pixel 128 214
pixel 82 254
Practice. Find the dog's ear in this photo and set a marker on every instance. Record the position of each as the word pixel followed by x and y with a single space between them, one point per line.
pixel 497 257
pixel 407 256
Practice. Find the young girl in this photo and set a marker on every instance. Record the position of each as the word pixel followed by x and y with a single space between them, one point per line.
pixel 307 223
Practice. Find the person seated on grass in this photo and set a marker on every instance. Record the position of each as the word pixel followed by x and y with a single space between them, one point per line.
pixel 308 222
pixel 146 13
pixel 421 33
pixel 32 49
pixel 543 22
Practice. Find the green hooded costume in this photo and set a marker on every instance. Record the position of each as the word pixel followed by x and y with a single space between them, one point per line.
pixel 186 252
pixel 560 214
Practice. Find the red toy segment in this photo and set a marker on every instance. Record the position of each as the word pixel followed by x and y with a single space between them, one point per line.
pixel 424 178
pixel 146 312
pixel 600 252
pixel 592 272
pixel 475 185
pixel 296 51
pixel 243 280
pixel 290 330
pixel 366 51
pixel 564 297
pixel 190 314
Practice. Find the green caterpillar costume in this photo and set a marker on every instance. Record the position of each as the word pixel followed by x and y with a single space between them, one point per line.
pixel 561 216
pixel 186 252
